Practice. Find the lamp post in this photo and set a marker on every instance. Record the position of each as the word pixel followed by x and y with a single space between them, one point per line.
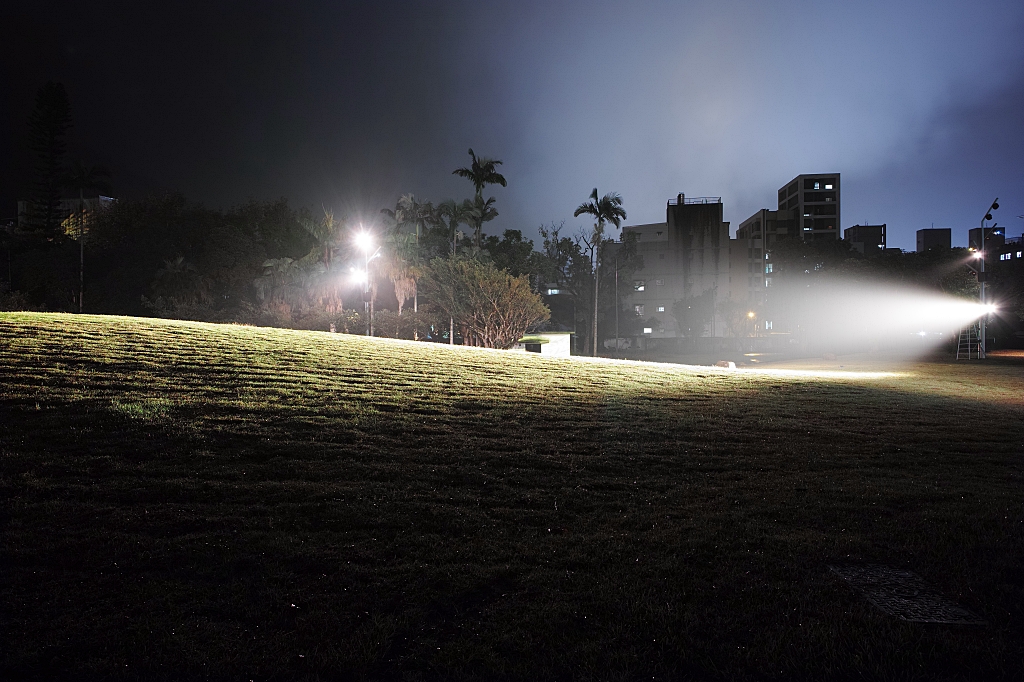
pixel 364 240
pixel 981 275
pixel 616 305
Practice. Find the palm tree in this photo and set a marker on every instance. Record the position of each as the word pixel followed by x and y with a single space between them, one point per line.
pixel 481 172
pixel 330 244
pixel 480 212
pixel 403 267
pixel 607 209
pixel 82 177
pixel 450 215
pixel 399 265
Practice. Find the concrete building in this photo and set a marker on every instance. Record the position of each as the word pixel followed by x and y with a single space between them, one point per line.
pixel 995 237
pixel 549 344
pixel 1011 251
pixel 685 256
pixel 64 208
pixel 750 269
pixel 868 240
pixel 934 238
pixel 815 198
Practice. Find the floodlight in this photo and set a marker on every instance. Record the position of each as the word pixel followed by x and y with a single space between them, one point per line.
pixel 751 314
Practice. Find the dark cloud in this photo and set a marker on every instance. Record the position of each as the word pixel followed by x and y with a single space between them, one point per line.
pixel 349 104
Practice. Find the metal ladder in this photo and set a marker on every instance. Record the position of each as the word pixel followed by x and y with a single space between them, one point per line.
pixel 969 345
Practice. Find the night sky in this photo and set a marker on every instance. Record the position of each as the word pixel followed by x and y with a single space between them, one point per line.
pixel 920 105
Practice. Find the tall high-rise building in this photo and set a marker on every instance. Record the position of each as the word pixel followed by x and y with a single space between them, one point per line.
pixel 815 198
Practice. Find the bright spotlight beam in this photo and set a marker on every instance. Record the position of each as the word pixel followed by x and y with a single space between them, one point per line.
pixel 851 316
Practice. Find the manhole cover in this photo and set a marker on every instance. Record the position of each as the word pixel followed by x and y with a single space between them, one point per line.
pixel 904 594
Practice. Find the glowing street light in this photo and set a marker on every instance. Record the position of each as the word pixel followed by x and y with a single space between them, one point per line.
pixel 364 241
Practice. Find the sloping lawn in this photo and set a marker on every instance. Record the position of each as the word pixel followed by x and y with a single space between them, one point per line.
pixel 188 501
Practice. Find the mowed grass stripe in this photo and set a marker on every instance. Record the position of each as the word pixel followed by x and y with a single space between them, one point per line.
pixel 440 512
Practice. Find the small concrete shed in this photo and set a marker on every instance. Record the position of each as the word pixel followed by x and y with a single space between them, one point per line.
pixel 550 344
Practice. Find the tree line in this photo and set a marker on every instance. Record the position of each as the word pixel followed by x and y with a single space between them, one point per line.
pixel 436 274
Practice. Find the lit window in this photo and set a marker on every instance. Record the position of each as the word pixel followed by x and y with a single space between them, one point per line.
pixel 768 268
pixel 817 185
pixel 659 282
pixel 639 285
pixel 553 292
pixel 648 330
pixel 639 309
pixel 828 186
pixel 767 324
pixel 1019 254
pixel 661 308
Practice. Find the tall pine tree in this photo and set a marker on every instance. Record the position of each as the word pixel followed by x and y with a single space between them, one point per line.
pixel 48 125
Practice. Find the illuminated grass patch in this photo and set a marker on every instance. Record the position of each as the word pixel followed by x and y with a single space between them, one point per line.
pixel 192 500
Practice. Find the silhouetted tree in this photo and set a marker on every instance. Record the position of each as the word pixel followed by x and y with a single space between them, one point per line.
pixel 448 215
pixel 481 172
pixel 607 209
pixel 567 262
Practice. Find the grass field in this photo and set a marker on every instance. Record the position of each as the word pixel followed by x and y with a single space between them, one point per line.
pixel 193 501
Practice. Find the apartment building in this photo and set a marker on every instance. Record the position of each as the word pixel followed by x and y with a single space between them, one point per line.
pixel 815 199
pixel 684 256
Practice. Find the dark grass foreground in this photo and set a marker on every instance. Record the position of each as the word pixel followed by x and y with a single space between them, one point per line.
pixel 191 501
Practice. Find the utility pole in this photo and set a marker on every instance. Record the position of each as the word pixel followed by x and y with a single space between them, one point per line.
pixel 81 248
pixel 981 276
pixel 616 305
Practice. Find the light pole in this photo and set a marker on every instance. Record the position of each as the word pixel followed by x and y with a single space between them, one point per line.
pixel 981 275
pixel 364 240
pixel 616 305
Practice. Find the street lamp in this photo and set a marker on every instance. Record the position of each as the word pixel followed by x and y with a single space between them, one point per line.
pixel 616 304
pixel 364 240
pixel 980 254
